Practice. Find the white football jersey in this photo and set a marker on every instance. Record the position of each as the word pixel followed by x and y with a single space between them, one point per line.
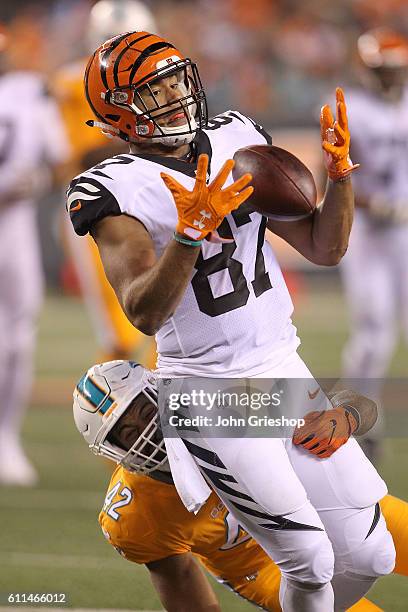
pixel 31 129
pixel 379 142
pixel 234 318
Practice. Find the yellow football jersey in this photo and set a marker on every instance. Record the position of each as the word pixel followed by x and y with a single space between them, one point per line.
pixel 145 520
pixel 68 89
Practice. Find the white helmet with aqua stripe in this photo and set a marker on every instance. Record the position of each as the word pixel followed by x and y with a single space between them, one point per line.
pixel 115 409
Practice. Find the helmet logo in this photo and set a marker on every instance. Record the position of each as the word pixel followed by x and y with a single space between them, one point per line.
pixel 168 61
pixel 120 97
pixel 142 130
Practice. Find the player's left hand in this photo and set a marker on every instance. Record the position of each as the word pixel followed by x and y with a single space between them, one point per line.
pixel 201 211
pixel 336 139
pixel 325 432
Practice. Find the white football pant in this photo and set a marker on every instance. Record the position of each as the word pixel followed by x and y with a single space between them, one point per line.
pixel 314 517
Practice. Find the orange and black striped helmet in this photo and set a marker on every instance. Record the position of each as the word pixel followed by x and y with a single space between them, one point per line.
pixel 118 86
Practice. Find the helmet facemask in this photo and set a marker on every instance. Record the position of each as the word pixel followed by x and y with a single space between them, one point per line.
pixel 151 116
pixel 147 453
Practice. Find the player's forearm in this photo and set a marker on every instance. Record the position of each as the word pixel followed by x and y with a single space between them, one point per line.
pixel 182 586
pixel 154 295
pixel 365 408
pixel 332 221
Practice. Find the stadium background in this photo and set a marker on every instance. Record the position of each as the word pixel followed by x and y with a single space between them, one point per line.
pixel 276 60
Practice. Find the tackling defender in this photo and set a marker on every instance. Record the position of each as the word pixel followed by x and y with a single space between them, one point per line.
pixel 144 519
pixel 190 263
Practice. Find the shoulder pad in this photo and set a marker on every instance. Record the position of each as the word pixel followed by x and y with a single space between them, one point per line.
pixel 237 117
pixel 251 122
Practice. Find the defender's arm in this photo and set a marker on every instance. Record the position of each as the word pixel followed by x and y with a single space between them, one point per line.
pixel 325 432
pixel 182 586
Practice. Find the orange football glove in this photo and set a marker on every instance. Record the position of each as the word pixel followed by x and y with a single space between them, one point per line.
pixel 202 210
pixel 336 139
pixel 325 432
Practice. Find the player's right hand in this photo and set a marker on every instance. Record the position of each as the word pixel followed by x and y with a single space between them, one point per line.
pixel 202 210
pixel 335 137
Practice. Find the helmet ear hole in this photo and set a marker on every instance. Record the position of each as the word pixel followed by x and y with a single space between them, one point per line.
pixel 114 118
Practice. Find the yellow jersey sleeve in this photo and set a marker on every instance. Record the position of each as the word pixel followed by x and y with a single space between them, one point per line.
pixel 67 87
pixel 143 518
pixel 395 512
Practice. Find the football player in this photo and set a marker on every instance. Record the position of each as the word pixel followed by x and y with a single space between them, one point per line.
pixel 116 337
pixel 187 259
pixel 32 146
pixel 115 409
pixel 374 272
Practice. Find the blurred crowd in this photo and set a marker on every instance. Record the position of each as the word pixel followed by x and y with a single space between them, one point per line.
pixel 273 59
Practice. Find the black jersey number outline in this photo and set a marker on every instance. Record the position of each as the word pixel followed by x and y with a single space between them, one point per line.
pixel 218 121
pixel 215 306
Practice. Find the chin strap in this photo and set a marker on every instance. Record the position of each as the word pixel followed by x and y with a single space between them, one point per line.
pixel 108 130
pixel 170 137
pixel 169 140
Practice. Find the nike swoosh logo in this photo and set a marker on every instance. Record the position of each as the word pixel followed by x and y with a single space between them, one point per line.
pixel 312 394
pixel 78 206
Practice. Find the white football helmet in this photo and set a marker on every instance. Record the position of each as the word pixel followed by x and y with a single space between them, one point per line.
pixel 383 48
pixel 101 396
pixel 108 18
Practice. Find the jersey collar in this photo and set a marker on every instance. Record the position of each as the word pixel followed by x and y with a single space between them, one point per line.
pixel 202 144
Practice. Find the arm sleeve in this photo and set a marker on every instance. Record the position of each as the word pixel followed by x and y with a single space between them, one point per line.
pixel 89 201
pixel 135 539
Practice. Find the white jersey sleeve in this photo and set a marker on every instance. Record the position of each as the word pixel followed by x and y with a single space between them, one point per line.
pixel 93 195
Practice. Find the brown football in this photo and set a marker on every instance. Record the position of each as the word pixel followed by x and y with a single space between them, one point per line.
pixel 284 187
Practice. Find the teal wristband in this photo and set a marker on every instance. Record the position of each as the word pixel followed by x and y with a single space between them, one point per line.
pixel 187 241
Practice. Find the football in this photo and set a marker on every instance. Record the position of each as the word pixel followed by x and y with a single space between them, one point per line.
pixel 284 188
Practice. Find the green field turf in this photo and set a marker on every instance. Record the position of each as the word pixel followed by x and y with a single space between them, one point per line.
pixel 50 539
